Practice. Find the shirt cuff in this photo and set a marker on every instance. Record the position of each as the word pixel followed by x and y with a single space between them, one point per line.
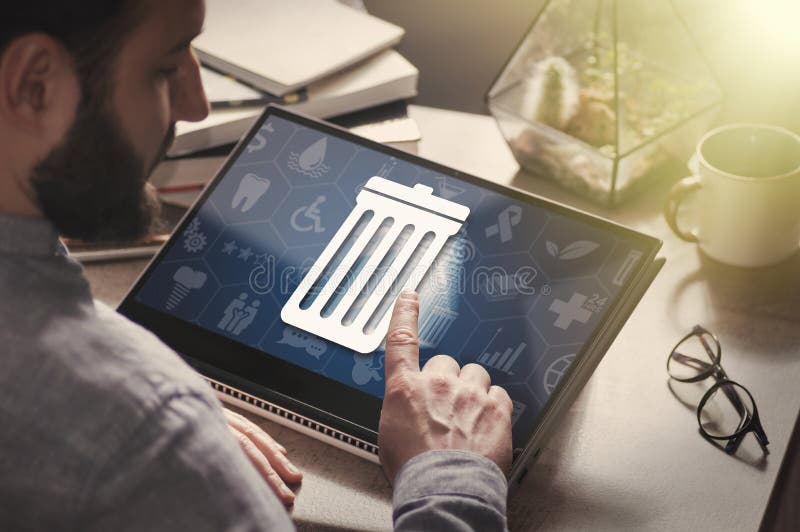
pixel 451 473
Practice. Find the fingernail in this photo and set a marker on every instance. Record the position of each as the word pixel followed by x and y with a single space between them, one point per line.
pixel 286 492
pixel 408 294
pixel 290 467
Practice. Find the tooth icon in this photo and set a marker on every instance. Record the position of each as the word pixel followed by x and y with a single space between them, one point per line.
pixel 250 190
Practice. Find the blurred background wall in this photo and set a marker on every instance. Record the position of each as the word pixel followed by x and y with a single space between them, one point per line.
pixel 460 46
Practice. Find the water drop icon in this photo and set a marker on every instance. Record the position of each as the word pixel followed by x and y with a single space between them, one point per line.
pixel 313 156
pixel 310 161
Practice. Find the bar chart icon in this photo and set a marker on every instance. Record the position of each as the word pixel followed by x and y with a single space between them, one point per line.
pixel 501 360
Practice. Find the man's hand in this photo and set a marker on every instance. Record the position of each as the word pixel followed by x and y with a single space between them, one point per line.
pixel 267 455
pixel 441 407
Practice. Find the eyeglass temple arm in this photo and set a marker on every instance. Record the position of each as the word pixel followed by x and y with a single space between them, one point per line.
pixel 736 400
pixel 691 361
pixel 734 443
pixel 711 354
pixel 758 430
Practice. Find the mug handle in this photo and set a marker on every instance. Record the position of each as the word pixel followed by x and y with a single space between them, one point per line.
pixel 679 191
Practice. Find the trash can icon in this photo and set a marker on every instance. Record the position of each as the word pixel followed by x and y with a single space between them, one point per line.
pixel 386 245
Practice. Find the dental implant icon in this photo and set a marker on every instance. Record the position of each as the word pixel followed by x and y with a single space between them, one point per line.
pixel 186 280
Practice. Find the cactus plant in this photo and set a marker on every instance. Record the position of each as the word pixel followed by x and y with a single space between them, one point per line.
pixel 551 96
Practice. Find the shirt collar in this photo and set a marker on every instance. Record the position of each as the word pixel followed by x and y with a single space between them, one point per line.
pixel 28 236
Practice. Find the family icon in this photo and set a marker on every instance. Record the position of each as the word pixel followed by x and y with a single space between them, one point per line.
pixel 238 315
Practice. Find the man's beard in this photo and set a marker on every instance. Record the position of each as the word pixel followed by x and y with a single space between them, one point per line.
pixel 93 186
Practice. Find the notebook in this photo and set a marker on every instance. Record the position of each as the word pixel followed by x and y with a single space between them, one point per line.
pixel 283 45
pixel 383 78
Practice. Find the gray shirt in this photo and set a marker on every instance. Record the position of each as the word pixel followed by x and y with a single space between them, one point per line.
pixel 103 427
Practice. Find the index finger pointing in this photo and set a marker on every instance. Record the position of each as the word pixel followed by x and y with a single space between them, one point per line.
pixel 402 339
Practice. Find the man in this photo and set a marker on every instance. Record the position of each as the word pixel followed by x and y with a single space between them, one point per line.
pixel 103 426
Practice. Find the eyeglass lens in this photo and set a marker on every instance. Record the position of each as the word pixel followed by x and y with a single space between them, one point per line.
pixel 726 411
pixel 694 356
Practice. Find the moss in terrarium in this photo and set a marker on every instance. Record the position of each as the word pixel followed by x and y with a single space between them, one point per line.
pixel 651 99
pixel 594 121
pixel 572 165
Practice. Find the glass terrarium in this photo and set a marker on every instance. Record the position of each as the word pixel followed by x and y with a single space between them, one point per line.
pixel 601 93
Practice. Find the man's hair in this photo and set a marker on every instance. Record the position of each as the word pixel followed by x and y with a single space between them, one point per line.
pixel 91 30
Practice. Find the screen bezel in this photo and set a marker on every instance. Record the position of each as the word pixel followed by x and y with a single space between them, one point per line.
pixel 301 390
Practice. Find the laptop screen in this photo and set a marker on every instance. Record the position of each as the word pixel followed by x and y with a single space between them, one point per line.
pixel 509 284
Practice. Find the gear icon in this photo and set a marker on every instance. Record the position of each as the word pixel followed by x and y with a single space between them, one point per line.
pixel 195 242
pixel 192 228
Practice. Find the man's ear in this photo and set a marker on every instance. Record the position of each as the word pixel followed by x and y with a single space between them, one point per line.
pixel 39 88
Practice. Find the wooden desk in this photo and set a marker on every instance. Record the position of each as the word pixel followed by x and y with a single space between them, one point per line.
pixel 628 456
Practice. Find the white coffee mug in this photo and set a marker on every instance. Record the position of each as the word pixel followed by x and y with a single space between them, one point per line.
pixel 747 184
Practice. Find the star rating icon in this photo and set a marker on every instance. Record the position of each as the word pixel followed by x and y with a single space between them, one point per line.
pixel 229 247
pixel 261 260
pixel 245 254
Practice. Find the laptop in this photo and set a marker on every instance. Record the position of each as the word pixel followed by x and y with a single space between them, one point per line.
pixel 278 283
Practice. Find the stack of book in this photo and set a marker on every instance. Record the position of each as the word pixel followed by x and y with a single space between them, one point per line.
pixel 319 57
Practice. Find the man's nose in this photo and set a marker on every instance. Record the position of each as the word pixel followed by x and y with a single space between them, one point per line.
pixel 189 100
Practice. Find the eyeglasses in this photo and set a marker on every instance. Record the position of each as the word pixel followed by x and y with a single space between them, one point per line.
pixel 727 410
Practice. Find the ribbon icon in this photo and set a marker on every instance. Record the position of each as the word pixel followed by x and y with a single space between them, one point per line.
pixel 511 216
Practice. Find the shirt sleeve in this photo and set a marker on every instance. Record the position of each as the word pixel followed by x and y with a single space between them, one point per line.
pixel 450 490
pixel 182 470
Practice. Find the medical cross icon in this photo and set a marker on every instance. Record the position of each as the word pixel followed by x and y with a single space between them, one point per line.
pixel 570 311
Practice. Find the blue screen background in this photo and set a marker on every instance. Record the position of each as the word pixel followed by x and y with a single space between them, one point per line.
pixel 248 246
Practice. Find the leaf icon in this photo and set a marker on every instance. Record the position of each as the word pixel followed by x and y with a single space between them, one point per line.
pixel 552 248
pixel 578 249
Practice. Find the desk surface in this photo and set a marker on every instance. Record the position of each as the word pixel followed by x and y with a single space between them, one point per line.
pixel 628 456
